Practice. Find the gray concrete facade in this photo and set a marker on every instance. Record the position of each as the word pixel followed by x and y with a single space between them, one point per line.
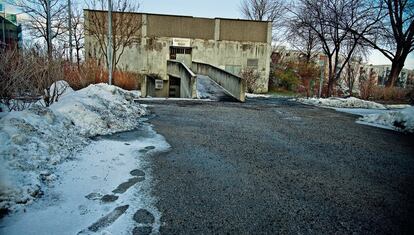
pixel 231 45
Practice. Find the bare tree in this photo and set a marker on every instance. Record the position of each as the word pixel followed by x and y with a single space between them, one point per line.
pixel 78 34
pixel 331 21
pixel 265 10
pixel 303 38
pixel 353 65
pixel 394 37
pixel 37 22
pixel 125 27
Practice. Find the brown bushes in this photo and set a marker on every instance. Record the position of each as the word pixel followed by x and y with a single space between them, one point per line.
pixel 91 73
pixel 370 91
pixel 251 76
pixel 26 77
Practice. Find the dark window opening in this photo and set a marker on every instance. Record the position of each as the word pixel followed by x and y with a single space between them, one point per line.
pixel 179 50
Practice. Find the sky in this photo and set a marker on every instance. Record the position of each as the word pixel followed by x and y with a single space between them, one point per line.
pixel 227 9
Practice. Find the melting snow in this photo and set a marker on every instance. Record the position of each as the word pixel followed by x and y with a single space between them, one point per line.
pixel 35 140
pixel 394 117
pixel 73 203
pixel 335 102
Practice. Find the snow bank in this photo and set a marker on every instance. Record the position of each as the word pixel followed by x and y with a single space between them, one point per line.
pixel 33 141
pixel 334 102
pixel 100 110
pixel 401 120
pixel 251 95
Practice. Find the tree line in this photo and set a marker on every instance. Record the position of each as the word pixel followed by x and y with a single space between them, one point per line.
pixel 341 29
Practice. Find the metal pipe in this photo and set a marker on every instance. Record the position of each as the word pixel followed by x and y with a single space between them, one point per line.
pixel 70 31
pixel 109 49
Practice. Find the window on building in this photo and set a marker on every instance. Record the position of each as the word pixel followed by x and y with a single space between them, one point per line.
pixel 254 63
pixel 179 50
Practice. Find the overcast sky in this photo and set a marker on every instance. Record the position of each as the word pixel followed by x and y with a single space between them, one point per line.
pixel 226 9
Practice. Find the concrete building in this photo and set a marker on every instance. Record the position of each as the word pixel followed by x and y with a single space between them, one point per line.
pixel 228 44
pixel 10 33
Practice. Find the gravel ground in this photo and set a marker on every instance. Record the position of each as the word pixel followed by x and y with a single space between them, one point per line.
pixel 273 166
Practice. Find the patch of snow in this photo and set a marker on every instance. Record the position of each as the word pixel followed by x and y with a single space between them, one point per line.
pixel 401 120
pixel 361 112
pixel 251 95
pixel 335 102
pixel 61 88
pixel 35 140
pixel 398 106
pixel 173 99
pixel 99 169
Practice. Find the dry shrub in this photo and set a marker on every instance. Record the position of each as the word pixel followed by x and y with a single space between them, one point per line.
pixel 389 93
pixel 72 76
pixel 26 77
pixel 308 74
pixel 127 80
pixel 366 87
pixel 251 76
pixel 91 72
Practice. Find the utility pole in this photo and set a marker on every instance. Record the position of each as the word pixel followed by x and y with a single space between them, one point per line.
pixel 70 31
pixel 322 64
pixel 49 30
pixel 109 49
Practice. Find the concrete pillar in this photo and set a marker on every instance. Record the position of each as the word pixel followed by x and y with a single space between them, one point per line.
pixel 217 29
pixel 144 25
pixel 265 84
pixel 269 32
pixel 144 85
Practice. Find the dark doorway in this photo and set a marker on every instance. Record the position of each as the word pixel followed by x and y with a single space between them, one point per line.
pixel 174 87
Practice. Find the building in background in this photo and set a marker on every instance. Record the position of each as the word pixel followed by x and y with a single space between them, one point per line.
pixel 10 31
pixel 229 44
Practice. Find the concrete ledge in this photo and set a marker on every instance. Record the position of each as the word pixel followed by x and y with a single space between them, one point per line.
pixel 188 83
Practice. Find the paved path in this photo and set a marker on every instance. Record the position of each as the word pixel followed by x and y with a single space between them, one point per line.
pixel 271 166
pixel 209 89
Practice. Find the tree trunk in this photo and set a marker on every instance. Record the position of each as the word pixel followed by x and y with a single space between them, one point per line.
pixel 396 67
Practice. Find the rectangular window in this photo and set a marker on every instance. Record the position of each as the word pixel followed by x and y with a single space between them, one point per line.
pixel 179 50
pixel 253 63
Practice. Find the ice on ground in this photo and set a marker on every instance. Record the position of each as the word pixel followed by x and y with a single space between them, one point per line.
pixel 401 120
pixel 335 102
pixel 98 169
pixel 251 95
pixel 35 140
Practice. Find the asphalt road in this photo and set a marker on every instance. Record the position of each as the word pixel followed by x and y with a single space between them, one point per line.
pixel 273 166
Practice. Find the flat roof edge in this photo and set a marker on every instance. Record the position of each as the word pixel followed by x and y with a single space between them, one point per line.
pixel 158 14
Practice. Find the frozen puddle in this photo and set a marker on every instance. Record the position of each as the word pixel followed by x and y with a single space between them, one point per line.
pixel 105 190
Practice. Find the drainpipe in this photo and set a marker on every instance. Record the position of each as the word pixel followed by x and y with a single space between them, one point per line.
pixel 109 49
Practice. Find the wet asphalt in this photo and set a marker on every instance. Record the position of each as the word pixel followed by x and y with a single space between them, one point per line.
pixel 271 166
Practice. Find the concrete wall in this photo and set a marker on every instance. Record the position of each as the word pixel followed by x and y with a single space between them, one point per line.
pixel 188 84
pixel 235 85
pixel 243 30
pixel 180 27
